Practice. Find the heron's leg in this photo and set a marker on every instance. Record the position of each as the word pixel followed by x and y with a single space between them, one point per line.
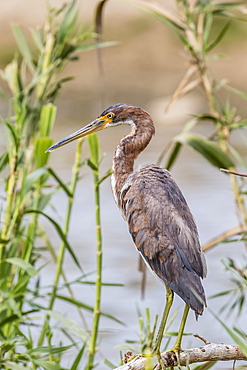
pixel 177 346
pixel 158 340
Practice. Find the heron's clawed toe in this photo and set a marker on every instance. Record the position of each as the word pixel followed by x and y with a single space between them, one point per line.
pixel 151 359
pixel 160 361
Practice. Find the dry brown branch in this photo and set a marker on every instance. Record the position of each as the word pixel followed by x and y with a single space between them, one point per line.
pixel 233 172
pixel 209 352
pixel 167 14
pixel 238 230
pixel 184 87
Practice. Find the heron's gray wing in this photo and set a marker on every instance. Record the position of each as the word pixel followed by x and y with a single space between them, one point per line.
pixel 164 232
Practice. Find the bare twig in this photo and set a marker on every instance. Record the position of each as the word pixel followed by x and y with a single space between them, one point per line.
pixel 202 339
pixel 209 352
pixel 238 230
pixel 233 172
pixel 182 88
pixel 161 11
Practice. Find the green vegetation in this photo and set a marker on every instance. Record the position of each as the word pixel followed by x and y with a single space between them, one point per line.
pixel 34 82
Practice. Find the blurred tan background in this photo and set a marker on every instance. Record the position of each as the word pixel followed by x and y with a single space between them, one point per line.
pixel 147 64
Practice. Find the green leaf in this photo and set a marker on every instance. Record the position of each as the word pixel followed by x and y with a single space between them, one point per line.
pixel 30 181
pixel 183 40
pixel 2 93
pixel 15 366
pixel 92 165
pixel 225 292
pixel 43 201
pixel 50 350
pixel 47 119
pixel 225 5
pixel 24 265
pixel 210 151
pixel 13 137
pixel 176 149
pixel 4 159
pixel 4 241
pixel 215 57
pixel 237 125
pixel 95 45
pixel 60 233
pixel 240 93
pixel 109 364
pixel 87 307
pixel 40 146
pixel 162 14
pixel 47 365
pixel 208 21
pixel 72 326
pixel 23 45
pixel 68 23
pixel 106 175
pixel 11 74
pixel 37 36
pixel 75 302
pixel 20 286
pixel 233 335
pixel 75 365
pixel 238 158
pixel 60 182
pixel 94 148
pixel 37 80
pixel 219 37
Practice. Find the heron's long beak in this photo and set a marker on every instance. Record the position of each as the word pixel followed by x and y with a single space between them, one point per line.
pixel 96 125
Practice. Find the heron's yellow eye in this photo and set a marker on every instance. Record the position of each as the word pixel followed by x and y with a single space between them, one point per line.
pixel 110 115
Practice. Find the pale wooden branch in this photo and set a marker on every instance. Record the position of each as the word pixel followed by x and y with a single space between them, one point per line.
pixel 209 352
pixel 238 230
pixel 202 338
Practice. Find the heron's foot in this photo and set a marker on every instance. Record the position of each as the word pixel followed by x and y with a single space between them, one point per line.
pixel 128 356
pixel 157 354
pixel 149 356
pixel 176 349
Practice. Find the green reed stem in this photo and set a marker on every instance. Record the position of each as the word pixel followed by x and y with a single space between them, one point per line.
pixel 98 282
pixel 10 195
pixel 60 257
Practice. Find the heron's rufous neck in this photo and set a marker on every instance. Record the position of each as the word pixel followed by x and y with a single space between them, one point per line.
pixel 127 151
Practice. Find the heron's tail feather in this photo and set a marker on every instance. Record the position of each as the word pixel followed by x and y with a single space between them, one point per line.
pixel 190 289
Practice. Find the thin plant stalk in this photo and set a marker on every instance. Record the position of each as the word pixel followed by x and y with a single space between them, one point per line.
pixel 10 195
pixel 98 282
pixel 60 257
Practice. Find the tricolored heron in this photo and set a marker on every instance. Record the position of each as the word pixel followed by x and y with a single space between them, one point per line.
pixel 160 222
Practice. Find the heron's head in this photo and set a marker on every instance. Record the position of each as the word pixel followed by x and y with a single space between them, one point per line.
pixel 119 114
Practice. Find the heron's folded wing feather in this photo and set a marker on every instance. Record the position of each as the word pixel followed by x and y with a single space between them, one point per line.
pixel 163 227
